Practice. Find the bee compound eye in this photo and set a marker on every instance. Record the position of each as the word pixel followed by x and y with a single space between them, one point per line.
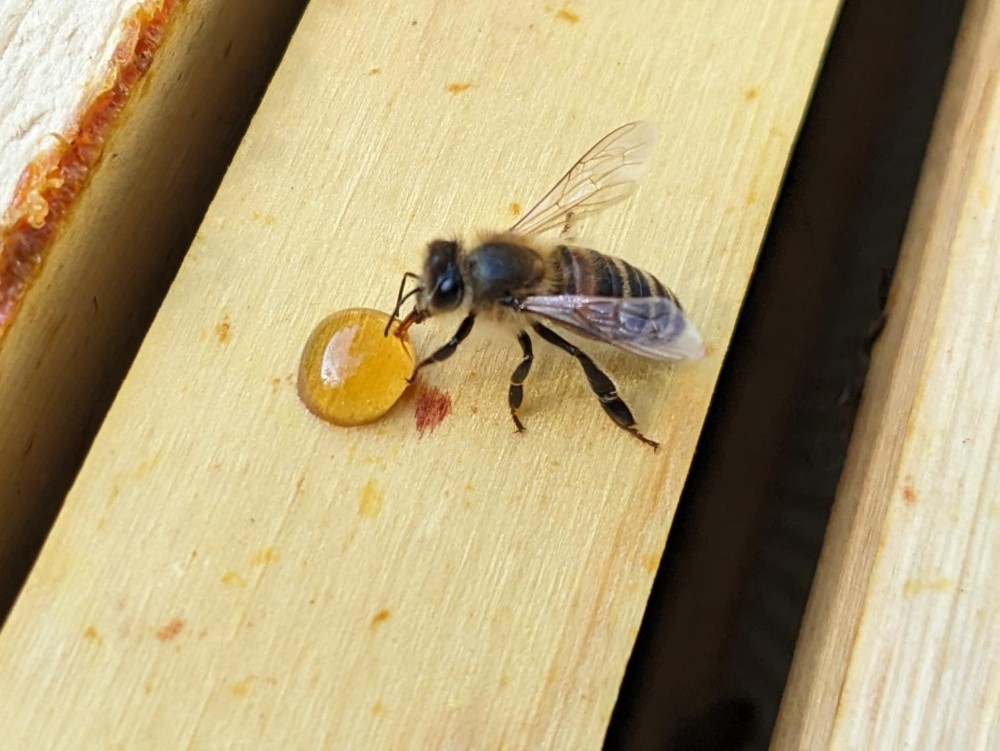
pixel 448 292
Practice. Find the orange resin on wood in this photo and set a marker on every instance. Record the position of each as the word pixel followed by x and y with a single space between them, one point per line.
pixel 49 185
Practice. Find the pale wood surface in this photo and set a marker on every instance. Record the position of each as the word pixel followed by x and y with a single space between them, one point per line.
pixel 68 347
pixel 900 647
pixel 230 572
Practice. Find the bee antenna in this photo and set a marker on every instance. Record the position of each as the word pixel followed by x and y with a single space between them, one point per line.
pixel 401 298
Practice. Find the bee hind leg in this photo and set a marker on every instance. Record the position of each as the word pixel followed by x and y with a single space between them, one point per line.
pixel 602 386
pixel 516 392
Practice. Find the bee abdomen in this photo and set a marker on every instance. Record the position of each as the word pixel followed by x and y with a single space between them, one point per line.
pixel 581 271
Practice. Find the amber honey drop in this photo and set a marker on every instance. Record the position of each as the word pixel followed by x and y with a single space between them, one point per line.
pixel 350 373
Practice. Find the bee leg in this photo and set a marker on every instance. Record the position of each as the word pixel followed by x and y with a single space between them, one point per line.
pixel 516 392
pixel 600 383
pixel 567 231
pixel 443 353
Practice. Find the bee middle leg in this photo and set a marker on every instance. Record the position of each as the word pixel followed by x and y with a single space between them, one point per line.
pixel 446 351
pixel 600 384
pixel 516 392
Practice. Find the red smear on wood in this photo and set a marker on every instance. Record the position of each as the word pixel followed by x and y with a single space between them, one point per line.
pixel 433 406
pixel 49 185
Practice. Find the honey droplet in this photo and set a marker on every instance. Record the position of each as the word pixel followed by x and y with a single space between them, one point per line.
pixel 350 373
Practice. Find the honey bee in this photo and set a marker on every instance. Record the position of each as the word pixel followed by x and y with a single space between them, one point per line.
pixel 514 277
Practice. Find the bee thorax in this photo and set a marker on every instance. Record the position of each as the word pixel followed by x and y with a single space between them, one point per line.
pixel 497 270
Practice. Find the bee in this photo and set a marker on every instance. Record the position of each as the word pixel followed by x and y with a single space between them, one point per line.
pixel 515 277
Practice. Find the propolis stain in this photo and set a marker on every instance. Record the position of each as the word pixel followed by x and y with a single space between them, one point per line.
pixel 350 372
pixel 433 405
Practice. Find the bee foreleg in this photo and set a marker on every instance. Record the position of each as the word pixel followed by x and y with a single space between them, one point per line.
pixel 600 383
pixel 443 353
pixel 516 392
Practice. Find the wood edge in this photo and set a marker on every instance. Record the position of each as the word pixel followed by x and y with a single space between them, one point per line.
pixel 50 184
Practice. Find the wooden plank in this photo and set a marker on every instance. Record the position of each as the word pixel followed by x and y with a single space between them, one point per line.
pixel 900 647
pixel 124 196
pixel 231 571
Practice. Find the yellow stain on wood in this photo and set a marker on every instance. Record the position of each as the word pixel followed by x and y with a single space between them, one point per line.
pixel 939 586
pixel 380 617
pixel 142 470
pixel 265 555
pixel 147 466
pixel 243 688
pixel 222 329
pixel 233 579
pixel 240 688
pixel 371 499
pixel 651 562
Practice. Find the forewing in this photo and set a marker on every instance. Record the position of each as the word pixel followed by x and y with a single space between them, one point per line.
pixel 605 175
pixel 654 327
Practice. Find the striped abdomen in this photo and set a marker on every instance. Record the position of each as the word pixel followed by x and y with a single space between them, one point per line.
pixel 581 271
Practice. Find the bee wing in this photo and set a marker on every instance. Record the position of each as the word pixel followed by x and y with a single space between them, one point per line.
pixel 654 327
pixel 605 175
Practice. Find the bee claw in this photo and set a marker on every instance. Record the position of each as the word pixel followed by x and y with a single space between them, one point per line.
pixel 648 441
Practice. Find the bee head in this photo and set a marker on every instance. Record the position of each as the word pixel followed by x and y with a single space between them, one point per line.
pixel 443 287
pixel 440 288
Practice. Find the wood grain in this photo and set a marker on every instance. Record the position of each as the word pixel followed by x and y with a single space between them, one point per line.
pixel 229 571
pixel 900 647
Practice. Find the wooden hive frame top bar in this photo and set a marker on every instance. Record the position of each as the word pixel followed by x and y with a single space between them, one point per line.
pixel 230 571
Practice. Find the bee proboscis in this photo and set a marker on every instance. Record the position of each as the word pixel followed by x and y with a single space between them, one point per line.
pixel 512 276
